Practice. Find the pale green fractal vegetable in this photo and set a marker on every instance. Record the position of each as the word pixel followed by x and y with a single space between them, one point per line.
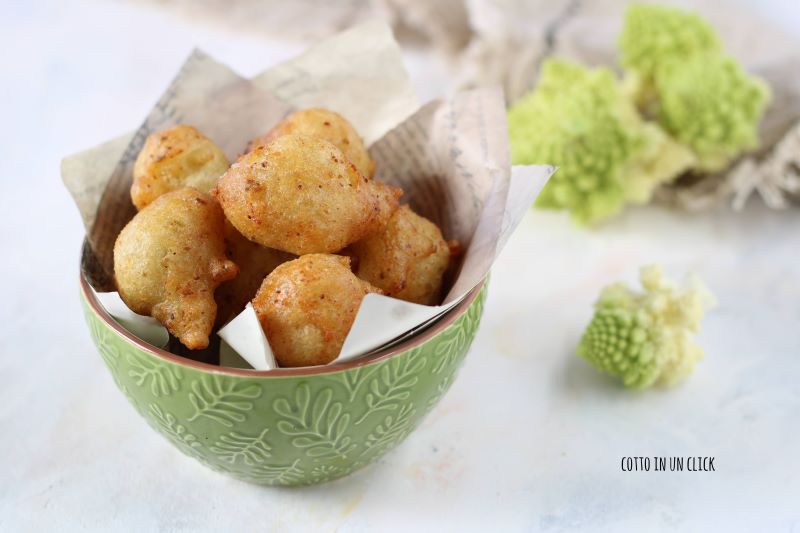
pixel 580 120
pixel 711 105
pixel 677 73
pixel 645 338
pixel 652 34
pixel 683 106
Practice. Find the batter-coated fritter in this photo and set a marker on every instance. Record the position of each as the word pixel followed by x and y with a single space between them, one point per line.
pixel 254 262
pixel 407 260
pixel 327 125
pixel 307 306
pixel 301 195
pixel 174 158
pixel 169 259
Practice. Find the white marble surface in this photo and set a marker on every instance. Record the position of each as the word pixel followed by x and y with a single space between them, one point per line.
pixel 529 438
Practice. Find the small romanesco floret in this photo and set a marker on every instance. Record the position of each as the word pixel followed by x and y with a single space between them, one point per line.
pixel 711 105
pixel 646 338
pixel 677 73
pixel 580 120
pixel 652 34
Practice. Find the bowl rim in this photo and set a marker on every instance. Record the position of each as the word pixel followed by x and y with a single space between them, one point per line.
pixel 414 341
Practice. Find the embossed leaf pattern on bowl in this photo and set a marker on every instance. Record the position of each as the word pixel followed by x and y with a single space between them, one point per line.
pixel 315 423
pixel 149 372
pixel 224 401
pixel 234 447
pixel 288 430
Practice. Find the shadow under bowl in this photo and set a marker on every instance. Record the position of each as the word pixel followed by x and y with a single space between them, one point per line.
pixel 293 426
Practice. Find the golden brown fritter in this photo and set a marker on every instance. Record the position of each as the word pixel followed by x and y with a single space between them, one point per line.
pixel 307 306
pixel 174 158
pixel 169 259
pixel 254 262
pixel 327 125
pixel 407 260
pixel 301 195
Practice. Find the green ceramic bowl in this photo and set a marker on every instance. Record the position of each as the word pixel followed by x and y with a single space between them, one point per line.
pixel 288 426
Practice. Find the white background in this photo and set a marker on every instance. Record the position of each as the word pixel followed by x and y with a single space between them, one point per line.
pixel 530 437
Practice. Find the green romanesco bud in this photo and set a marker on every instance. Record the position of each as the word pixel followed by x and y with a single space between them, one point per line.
pixel 710 104
pixel 618 341
pixel 580 120
pixel 677 73
pixel 652 34
pixel 645 338
pixel 573 120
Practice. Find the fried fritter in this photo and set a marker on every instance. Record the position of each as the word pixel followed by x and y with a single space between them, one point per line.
pixel 327 125
pixel 174 158
pixel 307 306
pixel 407 260
pixel 254 262
pixel 169 259
pixel 301 195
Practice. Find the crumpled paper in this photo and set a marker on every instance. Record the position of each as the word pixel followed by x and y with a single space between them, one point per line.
pixel 443 23
pixel 506 42
pixel 774 175
pixel 450 157
pixel 511 38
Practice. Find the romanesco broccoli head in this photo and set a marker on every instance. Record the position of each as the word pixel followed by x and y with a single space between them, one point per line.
pixel 645 337
pixel 677 72
pixel 652 34
pixel 580 120
pixel 574 119
pixel 710 104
